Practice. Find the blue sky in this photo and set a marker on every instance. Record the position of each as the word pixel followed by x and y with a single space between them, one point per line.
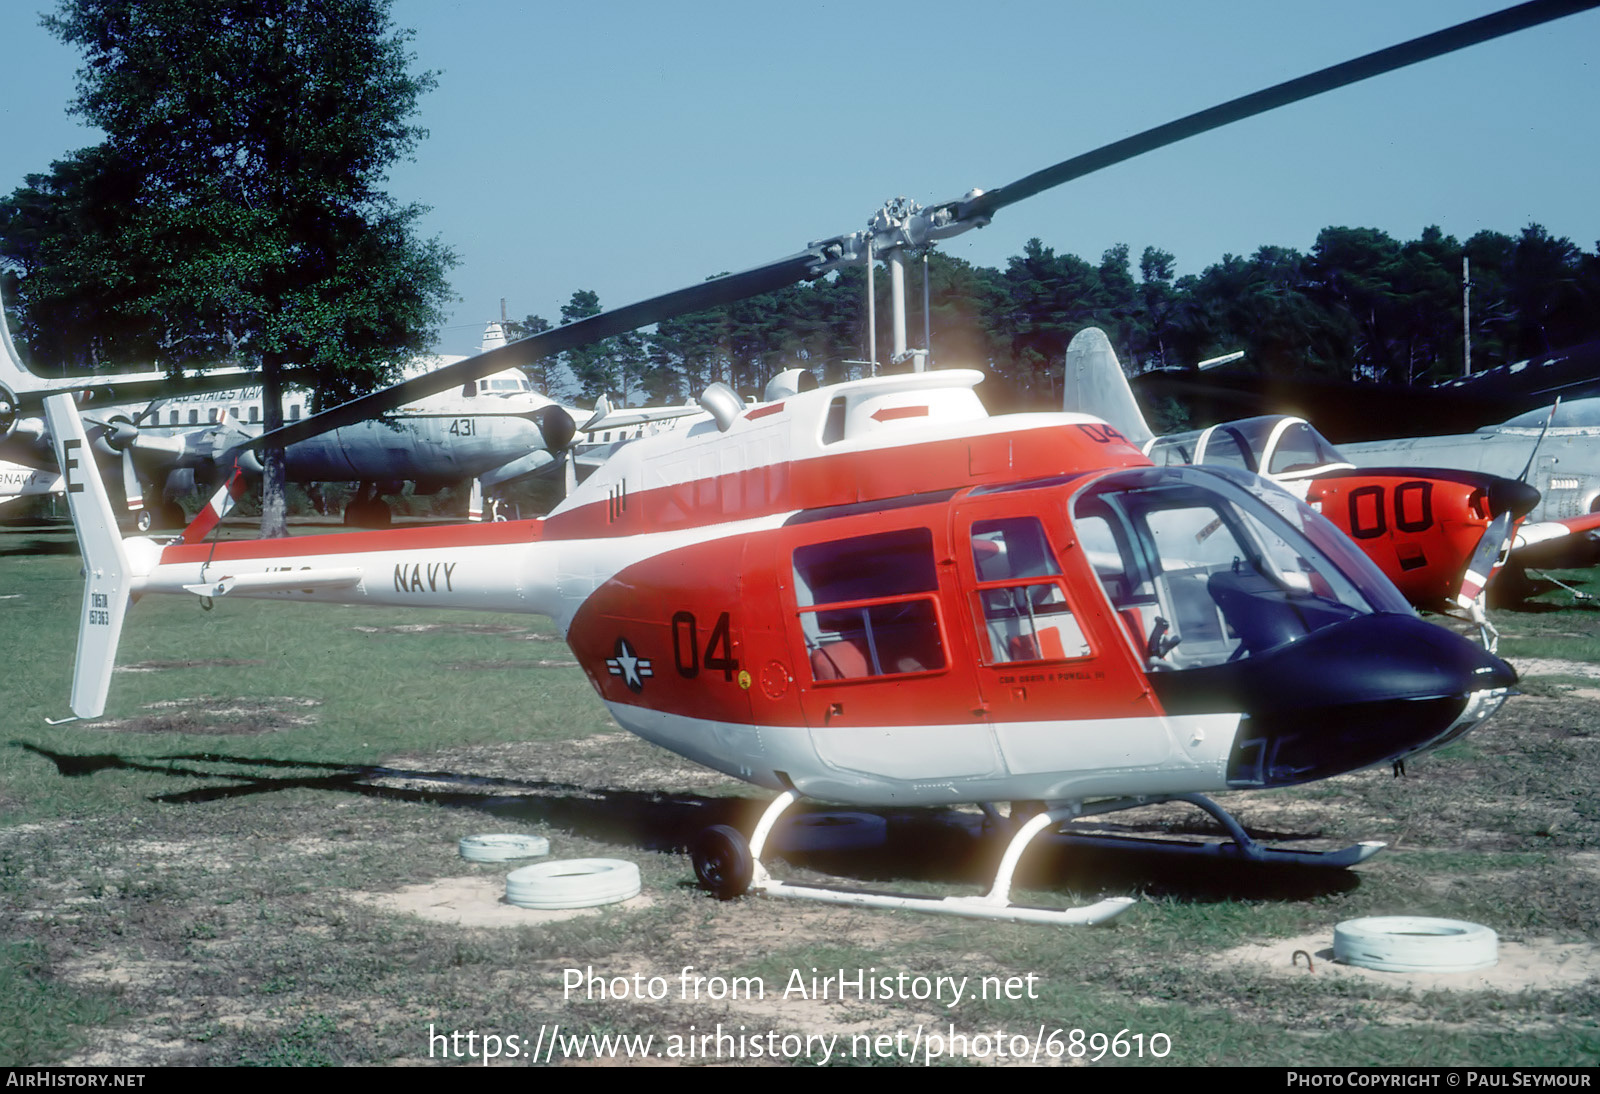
pixel 631 148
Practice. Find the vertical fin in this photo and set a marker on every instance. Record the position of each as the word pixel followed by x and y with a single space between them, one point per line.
pixel 105 563
pixel 1094 384
pixel 13 373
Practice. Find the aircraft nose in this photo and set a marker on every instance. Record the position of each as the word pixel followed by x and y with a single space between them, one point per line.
pixel 1369 690
pixel 555 426
pixel 1513 496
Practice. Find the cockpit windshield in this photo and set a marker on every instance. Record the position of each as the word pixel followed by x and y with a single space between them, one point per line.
pixel 1210 565
pixel 1273 444
pixel 1301 448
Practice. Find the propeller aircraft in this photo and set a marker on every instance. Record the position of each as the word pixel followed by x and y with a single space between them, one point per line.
pixel 493 430
pixel 876 593
pixel 1558 449
pixel 1440 534
pixel 18 482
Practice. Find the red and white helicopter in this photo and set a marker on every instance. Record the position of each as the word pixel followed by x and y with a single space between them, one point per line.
pixel 875 593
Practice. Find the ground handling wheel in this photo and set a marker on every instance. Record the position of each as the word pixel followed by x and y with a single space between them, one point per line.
pixel 722 861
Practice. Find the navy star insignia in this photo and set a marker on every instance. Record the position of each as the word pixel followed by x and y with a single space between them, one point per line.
pixel 630 666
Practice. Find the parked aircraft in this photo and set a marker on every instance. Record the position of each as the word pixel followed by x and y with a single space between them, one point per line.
pixel 877 594
pixel 19 482
pixel 1563 445
pixel 1438 533
pixel 492 430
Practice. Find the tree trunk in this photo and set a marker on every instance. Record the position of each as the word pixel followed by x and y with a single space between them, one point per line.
pixel 274 499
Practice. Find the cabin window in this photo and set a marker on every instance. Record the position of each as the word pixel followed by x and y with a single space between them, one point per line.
pixel 1172 450
pixel 1024 614
pixel 868 606
pixel 255 414
pixel 1302 448
pixel 194 417
pixel 213 412
pixel 294 412
pixel 1227 446
pixel 172 417
pixel 833 428
pixel 233 412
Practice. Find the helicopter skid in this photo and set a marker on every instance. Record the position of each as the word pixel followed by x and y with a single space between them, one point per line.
pixel 995 904
pixel 1342 859
pixel 972 907
pixel 1239 848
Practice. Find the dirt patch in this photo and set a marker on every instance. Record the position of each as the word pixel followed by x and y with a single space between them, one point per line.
pixel 163 666
pixel 227 717
pixel 1535 965
pixel 111 971
pixel 478 902
pixel 1552 666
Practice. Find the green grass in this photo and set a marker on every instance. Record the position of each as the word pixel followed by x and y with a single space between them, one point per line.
pixel 190 885
pixel 40 1019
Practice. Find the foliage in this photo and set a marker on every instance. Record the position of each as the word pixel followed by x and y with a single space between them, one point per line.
pixel 236 203
pixel 1361 305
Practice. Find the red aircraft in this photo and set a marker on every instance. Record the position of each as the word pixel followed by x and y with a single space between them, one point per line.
pixel 1439 534
pixel 875 593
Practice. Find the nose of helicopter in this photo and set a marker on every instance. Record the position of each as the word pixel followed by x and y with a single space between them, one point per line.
pixel 1370 690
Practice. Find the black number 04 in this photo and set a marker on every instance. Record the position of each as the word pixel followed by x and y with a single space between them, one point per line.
pixel 686 654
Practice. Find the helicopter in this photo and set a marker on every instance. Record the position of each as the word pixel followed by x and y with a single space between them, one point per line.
pixel 875 593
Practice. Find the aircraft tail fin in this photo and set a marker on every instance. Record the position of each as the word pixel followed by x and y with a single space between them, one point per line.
pixel 1095 385
pixel 107 582
pixel 13 373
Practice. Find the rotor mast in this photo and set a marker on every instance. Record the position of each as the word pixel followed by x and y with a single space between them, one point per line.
pixel 900 226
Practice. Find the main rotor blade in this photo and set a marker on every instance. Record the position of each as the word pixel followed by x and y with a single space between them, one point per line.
pixel 806 264
pixel 708 294
pixel 1341 75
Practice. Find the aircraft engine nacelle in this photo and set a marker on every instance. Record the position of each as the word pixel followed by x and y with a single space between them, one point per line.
pixel 556 426
pixel 1418 525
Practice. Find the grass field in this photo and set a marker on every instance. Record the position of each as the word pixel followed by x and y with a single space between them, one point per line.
pixel 253 859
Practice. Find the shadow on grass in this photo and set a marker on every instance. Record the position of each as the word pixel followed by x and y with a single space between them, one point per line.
pixel 60 546
pixel 921 845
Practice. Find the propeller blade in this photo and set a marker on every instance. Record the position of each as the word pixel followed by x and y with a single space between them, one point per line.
pixel 1291 91
pixel 707 294
pixel 152 412
pixel 1484 557
pixel 1528 467
pixel 130 481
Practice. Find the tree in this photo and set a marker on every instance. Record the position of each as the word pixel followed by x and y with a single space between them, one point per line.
pixel 539 372
pixel 76 296
pixel 592 365
pixel 259 133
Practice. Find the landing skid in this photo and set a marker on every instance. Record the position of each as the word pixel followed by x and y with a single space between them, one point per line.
pixel 1241 848
pixel 729 866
